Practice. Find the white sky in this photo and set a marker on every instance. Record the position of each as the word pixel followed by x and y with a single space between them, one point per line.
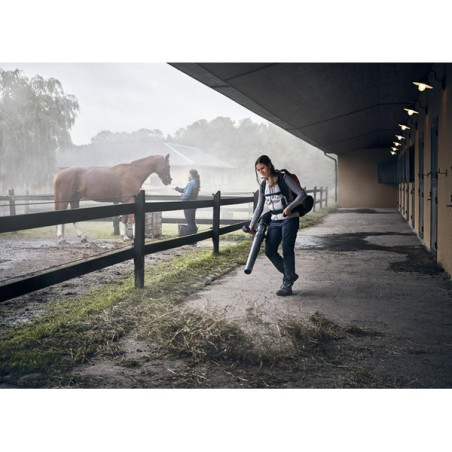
pixel 113 58
pixel 130 96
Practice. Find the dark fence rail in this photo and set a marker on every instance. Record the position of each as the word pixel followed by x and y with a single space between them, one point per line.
pixel 320 195
pixel 138 250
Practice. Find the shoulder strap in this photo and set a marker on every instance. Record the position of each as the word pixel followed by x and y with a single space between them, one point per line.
pixel 283 186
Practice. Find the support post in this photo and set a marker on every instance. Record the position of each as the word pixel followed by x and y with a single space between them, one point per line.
pixel 315 198
pixel 27 202
pixel 216 222
pixel 12 202
pixel 116 221
pixel 138 259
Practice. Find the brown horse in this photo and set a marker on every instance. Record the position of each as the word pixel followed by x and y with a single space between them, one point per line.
pixel 120 183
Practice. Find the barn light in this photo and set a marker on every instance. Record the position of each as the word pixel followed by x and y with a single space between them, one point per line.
pixel 397 143
pixel 404 127
pixel 400 137
pixel 423 85
pixel 411 112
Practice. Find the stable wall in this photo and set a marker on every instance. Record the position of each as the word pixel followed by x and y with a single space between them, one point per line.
pixel 439 105
pixel 358 180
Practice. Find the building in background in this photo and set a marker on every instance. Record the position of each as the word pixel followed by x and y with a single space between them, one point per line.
pixel 215 173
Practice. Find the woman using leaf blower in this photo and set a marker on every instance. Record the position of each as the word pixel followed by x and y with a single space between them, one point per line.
pixel 282 194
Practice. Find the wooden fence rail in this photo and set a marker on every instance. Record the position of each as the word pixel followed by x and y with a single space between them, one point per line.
pixel 138 250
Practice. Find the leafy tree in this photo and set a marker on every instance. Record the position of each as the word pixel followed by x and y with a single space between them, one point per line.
pixel 35 120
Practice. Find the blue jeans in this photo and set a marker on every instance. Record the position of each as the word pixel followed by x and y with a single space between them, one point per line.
pixel 190 218
pixel 283 232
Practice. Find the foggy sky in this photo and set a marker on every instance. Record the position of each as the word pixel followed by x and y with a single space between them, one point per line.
pixel 123 97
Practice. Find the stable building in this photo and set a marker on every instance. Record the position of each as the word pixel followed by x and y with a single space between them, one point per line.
pixel 388 125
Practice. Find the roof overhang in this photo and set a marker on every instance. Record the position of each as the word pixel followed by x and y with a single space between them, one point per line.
pixel 337 107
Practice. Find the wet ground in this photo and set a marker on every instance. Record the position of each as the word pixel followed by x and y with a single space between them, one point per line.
pixel 364 268
pixel 360 267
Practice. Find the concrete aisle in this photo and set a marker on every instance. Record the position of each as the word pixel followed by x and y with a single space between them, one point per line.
pixel 363 267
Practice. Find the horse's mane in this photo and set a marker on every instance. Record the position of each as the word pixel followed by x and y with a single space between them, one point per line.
pixel 140 161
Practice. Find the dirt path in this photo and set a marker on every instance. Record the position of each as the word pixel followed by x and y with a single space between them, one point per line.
pixel 365 271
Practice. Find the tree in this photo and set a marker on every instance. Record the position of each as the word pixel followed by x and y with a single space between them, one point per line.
pixel 241 144
pixel 35 120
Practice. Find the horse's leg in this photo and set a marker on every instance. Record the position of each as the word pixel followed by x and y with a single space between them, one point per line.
pixel 123 227
pixel 60 205
pixel 132 220
pixel 60 234
pixel 78 231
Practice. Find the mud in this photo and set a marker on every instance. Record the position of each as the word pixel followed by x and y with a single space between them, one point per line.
pixel 25 256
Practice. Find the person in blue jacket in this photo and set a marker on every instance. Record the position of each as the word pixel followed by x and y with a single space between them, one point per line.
pixel 190 193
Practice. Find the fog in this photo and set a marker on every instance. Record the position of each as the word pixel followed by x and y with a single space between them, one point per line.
pixel 123 97
pixel 131 110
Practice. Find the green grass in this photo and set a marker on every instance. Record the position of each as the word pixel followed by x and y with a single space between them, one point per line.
pixel 73 331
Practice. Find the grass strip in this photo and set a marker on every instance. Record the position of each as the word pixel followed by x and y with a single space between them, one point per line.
pixel 75 330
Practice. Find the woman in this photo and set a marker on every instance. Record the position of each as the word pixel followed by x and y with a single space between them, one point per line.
pixel 281 194
pixel 190 193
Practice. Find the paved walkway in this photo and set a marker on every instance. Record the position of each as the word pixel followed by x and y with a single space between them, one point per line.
pixel 364 267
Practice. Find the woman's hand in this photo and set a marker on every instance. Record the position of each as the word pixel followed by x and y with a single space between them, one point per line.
pixel 286 212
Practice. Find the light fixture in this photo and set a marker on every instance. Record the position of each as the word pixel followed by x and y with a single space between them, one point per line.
pixel 404 127
pixel 411 112
pixel 425 84
pixel 393 151
pixel 400 137
pixel 397 143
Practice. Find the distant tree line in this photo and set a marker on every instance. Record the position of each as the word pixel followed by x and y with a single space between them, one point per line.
pixel 35 119
pixel 240 144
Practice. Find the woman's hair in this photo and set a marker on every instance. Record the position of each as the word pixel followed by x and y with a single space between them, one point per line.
pixel 265 160
pixel 194 173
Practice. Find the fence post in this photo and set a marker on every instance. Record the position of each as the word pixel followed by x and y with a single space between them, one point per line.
pixel 326 197
pixel 216 222
pixel 315 198
pixel 321 197
pixel 138 259
pixel 27 202
pixel 12 202
pixel 116 221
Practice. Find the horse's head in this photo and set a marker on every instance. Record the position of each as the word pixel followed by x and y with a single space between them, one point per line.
pixel 163 170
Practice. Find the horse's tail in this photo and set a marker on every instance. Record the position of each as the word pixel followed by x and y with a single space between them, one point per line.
pixel 58 186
